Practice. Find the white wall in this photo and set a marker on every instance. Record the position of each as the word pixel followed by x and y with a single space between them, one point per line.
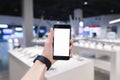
pixel 103 22
pixel 13 20
pixel 118 28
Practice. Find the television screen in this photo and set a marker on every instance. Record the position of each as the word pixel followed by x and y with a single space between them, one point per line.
pixel 5 37
pixel 7 31
pixel 86 33
pixel 19 34
pixel 42 31
pixel 0 34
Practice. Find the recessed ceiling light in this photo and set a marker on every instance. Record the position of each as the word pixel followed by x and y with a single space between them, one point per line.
pixel 112 10
pixel 85 3
pixel 81 23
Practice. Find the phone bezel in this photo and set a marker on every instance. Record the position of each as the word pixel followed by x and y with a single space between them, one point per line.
pixel 61 27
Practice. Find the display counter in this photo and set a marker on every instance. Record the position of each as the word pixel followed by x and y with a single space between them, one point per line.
pixel 112 65
pixel 20 60
pixel 39 41
pixel 109 41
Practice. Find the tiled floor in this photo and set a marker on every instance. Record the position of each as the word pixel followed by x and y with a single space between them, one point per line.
pixel 4 74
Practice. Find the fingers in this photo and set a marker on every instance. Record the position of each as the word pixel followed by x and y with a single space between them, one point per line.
pixel 71 41
pixel 71 47
pixel 51 34
pixel 70 55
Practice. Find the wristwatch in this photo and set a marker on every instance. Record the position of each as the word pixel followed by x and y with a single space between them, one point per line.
pixel 43 60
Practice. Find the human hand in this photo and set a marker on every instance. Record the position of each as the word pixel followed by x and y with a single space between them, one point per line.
pixel 48 48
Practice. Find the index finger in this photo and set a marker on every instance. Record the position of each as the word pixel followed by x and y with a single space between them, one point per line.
pixel 51 34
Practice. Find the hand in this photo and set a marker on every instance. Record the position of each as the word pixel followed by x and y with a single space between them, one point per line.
pixel 48 48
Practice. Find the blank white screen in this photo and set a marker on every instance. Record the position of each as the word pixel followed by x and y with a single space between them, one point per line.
pixel 61 42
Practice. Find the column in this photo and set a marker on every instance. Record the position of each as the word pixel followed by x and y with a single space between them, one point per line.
pixel 27 22
pixel 77 18
pixel 118 31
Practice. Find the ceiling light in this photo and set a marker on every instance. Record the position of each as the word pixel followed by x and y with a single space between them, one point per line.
pixel 10 41
pixel 18 29
pixel 81 23
pixel 33 27
pixel 58 22
pixel 16 40
pixel 85 3
pixel 114 21
pixel 112 10
pixel 3 26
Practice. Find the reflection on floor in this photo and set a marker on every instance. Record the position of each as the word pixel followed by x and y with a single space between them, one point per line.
pixel 4 74
pixel 101 75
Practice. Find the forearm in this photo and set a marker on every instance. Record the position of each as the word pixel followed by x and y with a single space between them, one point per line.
pixel 37 72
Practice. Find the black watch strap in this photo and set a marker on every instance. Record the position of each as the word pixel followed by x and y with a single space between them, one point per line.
pixel 43 60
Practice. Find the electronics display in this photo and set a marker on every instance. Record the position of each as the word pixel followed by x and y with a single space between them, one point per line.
pixel 7 31
pixel 19 34
pixel 61 44
pixel 5 37
pixel 0 34
pixel 42 31
pixel 89 31
pixel 86 33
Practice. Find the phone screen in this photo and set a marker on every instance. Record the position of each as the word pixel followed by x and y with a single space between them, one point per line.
pixel 61 42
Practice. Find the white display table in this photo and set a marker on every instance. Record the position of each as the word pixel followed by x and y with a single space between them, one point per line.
pixel 39 41
pixel 114 55
pixel 108 41
pixel 72 69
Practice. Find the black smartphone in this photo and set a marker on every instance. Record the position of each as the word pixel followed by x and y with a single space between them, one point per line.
pixel 61 42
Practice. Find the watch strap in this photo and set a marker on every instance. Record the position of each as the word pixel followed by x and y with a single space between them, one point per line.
pixel 43 60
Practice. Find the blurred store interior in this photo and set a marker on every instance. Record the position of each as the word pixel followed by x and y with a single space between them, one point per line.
pixel 25 26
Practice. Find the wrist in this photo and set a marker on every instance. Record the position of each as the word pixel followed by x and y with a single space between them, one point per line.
pixel 49 58
pixel 39 63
